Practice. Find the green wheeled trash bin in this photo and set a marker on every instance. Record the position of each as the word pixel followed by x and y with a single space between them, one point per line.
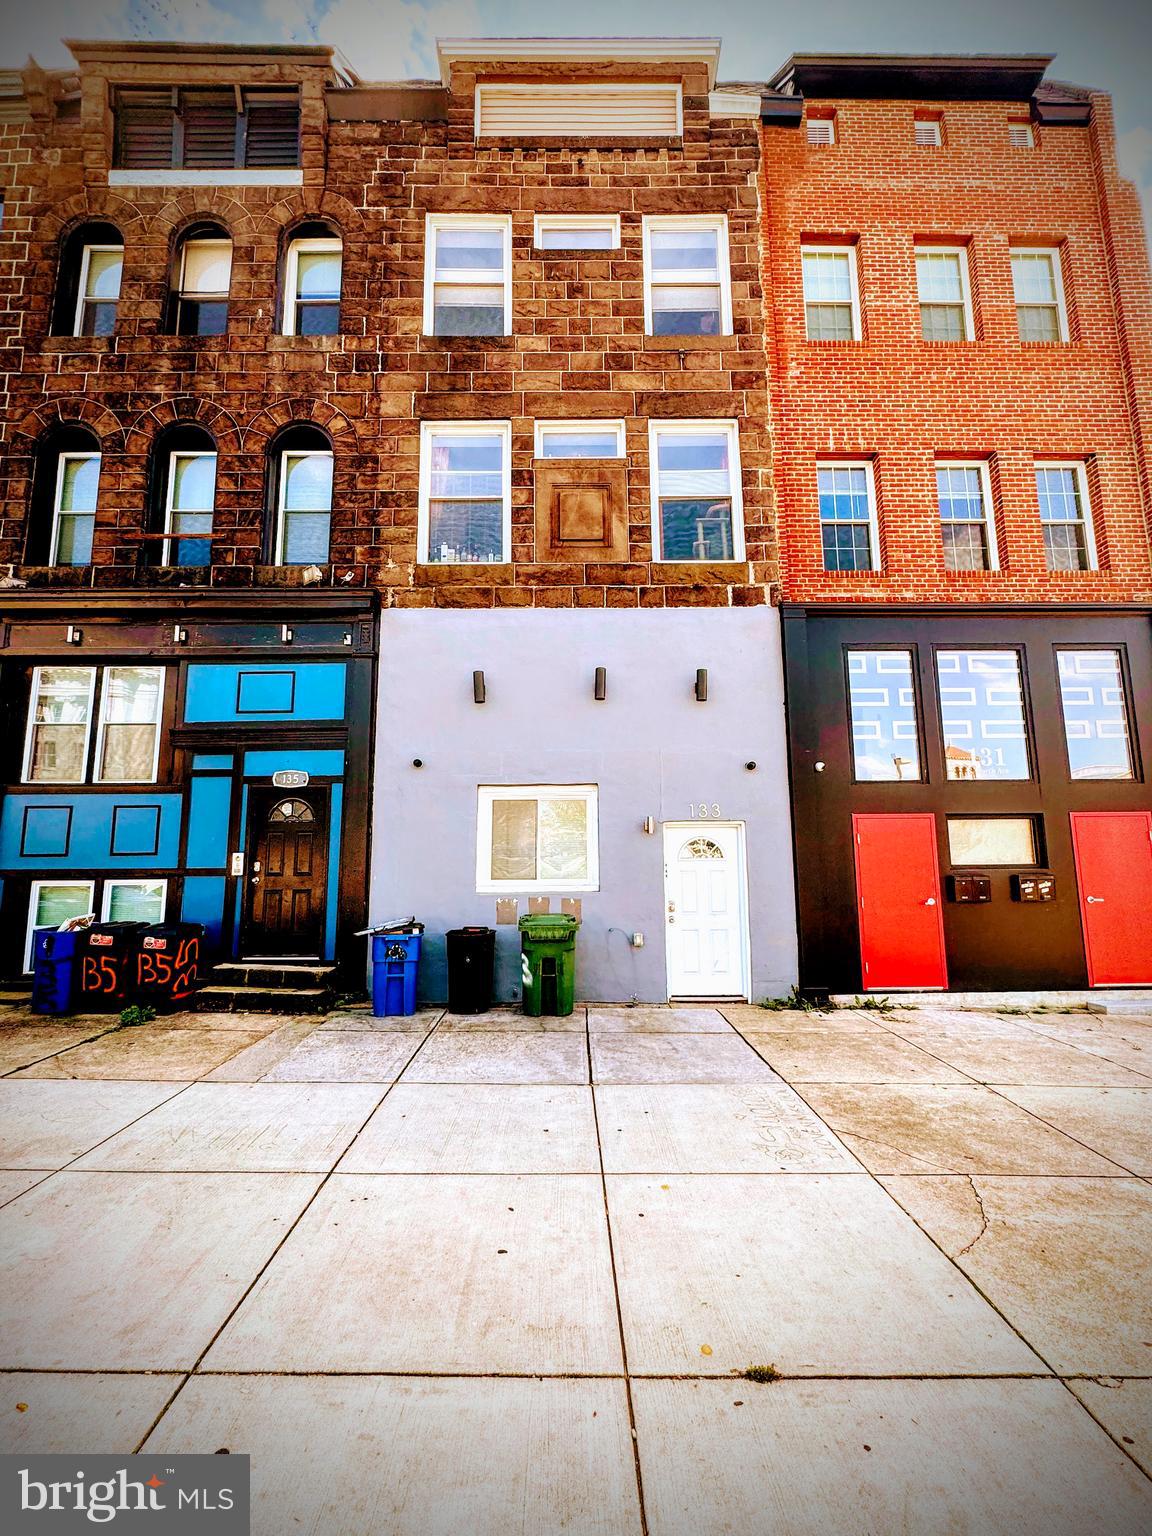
pixel 548 963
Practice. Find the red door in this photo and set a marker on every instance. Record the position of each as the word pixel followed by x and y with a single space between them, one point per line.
pixel 898 901
pixel 1114 872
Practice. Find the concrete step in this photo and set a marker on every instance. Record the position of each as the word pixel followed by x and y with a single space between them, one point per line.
pixel 273 975
pixel 286 1000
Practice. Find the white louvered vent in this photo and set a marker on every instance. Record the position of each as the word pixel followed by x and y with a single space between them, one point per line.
pixel 822 130
pixel 1020 135
pixel 928 133
pixel 578 111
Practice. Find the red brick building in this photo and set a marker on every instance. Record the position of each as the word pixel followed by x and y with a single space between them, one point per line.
pixel 960 358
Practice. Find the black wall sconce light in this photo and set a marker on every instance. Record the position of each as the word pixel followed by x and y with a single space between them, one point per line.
pixel 479 692
pixel 701 685
pixel 600 689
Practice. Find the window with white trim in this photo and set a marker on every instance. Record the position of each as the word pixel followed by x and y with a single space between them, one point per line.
pixel 128 734
pixel 687 285
pixel 189 505
pixel 849 528
pixel 967 527
pixel 928 133
pixel 74 508
pixel 59 722
pixel 467 275
pixel 203 283
pixel 101 268
pixel 134 901
pixel 537 837
pixel 944 294
pixel 697 502
pixel 579 439
pixel 51 903
pixel 465 514
pixel 821 132
pixel 1038 286
pixel 831 293
pixel 304 511
pixel 313 270
pixel 576 231
pixel 1066 517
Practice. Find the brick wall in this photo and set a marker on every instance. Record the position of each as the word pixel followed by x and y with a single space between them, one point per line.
pixel 578 346
pixel 900 400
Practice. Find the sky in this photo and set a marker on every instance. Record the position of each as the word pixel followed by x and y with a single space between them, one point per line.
pixel 1102 43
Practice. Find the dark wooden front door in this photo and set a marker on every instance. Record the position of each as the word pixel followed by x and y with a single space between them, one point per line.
pixel 287 865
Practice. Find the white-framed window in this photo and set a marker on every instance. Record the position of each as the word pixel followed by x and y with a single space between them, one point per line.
pixel 59 722
pixel 831 292
pixel 1020 135
pixel 465 492
pixel 189 504
pixel 576 231
pixel 101 268
pixel 128 733
pixel 944 293
pixel 205 280
pixel 849 526
pixel 537 837
pixel 313 271
pixel 134 901
pixel 1066 516
pixel 697 502
pixel 304 512
pixel 53 902
pixel 687 282
pixel 1038 285
pixel 74 508
pixel 967 526
pixel 928 133
pixel 467 274
pixel 579 439
pixel 821 132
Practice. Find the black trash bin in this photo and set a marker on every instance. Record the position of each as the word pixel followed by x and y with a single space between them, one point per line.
pixel 168 964
pixel 106 966
pixel 471 959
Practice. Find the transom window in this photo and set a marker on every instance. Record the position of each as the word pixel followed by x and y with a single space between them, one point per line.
pixel 1066 517
pixel 579 439
pixel 304 523
pixel 975 840
pixel 134 901
pixel 190 503
pixel 697 506
pixel 942 287
pixel 101 268
pixel 74 508
pixel 537 837
pixel 1095 709
pixel 885 726
pixel 687 291
pixel 467 275
pixel 982 715
pixel 312 280
pixel 849 531
pixel 576 231
pixel 295 811
pixel 126 703
pixel 967 529
pixel 1039 291
pixel 831 293
pixel 465 492
pixel 52 903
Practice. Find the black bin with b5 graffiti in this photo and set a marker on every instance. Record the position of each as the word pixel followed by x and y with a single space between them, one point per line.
pixel 169 964
pixel 104 968
pixel 157 964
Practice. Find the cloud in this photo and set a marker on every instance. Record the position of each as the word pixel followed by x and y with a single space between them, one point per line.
pixel 396 39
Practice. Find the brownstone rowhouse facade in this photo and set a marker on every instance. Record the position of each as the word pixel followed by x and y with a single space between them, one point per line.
pixel 467 375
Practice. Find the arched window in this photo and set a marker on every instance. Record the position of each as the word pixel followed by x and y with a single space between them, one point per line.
pixel 65 486
pixel 201 279
pixel 183 496
pixel 88 286
pixel 300 499
pixel 313 266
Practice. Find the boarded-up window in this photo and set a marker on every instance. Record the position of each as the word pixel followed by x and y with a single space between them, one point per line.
pixel 205 130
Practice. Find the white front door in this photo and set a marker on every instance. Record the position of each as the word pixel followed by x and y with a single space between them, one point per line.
pixel 704 919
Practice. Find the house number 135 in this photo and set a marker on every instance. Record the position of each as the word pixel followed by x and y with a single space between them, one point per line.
pixel 702 809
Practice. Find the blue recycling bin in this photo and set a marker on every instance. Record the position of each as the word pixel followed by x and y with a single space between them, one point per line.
pixel 53 971
pixel 395 962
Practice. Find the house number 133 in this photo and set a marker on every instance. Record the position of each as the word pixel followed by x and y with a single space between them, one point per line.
pixel 702 809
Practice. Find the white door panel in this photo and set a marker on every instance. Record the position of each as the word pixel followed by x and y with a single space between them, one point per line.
pixel 705 897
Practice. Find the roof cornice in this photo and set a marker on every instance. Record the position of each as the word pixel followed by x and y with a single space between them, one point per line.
pixel 961 77
pixel 579 50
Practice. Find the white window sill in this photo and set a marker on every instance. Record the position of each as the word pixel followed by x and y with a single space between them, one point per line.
pixel 220 178
pixel 534 888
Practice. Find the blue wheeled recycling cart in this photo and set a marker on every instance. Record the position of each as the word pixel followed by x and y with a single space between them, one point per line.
pixel 53 971
pixel 395 964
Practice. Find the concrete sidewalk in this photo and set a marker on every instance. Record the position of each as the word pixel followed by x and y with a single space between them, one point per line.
pixel 494 1275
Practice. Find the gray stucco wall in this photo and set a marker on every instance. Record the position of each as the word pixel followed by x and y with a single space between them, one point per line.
pixel 651 748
